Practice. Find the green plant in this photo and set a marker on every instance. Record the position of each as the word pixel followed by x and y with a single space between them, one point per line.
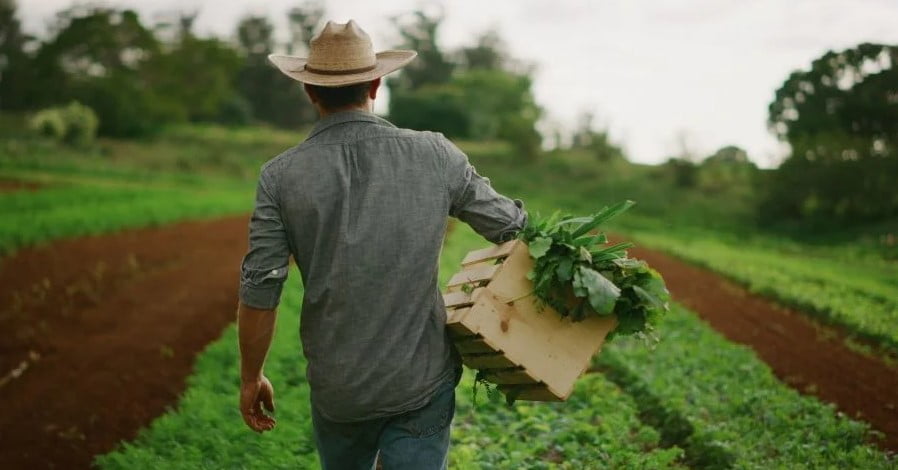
pixel 578 274
pixel 73 124
pixel 48 123
pixel 81 124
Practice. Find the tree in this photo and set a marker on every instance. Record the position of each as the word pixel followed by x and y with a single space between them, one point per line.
pixel 841 121
pixel 197 73
pixel 432 67
pixel 728 170
pixel 14 61
pixel 304 21
pixel 272 97
pixel 475 98
pixel 97 56
pixel 597 142
pixel 489 53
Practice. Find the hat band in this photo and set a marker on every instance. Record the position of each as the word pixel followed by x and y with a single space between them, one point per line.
pixel 340 72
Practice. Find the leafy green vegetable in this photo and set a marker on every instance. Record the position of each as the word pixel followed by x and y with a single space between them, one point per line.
pixel 579 274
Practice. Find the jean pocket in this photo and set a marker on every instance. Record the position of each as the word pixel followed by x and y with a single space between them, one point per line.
pixel 432 417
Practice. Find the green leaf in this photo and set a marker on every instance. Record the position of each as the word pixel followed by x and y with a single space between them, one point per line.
pixel 628 263
pixel 563 271
pixel 601 292
pixel 539 247
pixel 584 255
pixel 648 298
pixel 603 216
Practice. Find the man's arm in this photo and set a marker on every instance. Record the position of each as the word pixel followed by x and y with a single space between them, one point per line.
pixel 262 275
pixel 474 201
pixel 255 329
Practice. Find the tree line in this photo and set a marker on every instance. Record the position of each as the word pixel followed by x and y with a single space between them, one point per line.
pixel 839 117
pixel 138 78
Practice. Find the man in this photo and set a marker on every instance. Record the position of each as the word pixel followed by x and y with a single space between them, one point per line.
pixel 362 207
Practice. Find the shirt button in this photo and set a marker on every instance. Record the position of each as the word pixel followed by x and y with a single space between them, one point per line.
pixel 274 271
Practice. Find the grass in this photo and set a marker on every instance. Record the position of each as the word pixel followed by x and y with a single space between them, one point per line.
pixel 190 172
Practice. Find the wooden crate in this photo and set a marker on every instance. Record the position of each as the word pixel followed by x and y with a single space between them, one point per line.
pixel 529 350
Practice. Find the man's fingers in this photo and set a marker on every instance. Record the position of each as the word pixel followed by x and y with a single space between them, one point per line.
pixel 267 396
pixel 259 422
pixel 252 400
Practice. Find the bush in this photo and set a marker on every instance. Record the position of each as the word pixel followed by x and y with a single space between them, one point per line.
pixel 48 123
pixel 74 124
pixel 235 111
pixel 81 124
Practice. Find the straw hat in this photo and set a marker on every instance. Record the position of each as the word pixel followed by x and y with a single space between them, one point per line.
pixel 341 55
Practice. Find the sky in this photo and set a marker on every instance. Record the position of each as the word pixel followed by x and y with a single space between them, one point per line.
pixel 659 75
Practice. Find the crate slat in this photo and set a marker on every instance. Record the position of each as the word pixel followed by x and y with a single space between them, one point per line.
pixel 474 344
pixel 537 392
pixel 487 361
pixel 474 274
pixel 454 323
pixel 505 377
pixel 460 298
pixel 487 254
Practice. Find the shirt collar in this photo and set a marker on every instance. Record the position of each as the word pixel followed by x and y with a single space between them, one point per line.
pixel 342 117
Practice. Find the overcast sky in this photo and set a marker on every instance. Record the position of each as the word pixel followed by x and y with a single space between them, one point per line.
pixel 650 71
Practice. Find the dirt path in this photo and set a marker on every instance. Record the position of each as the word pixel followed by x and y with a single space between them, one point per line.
pixel 10 185
pixel 104 331
pixel 805 354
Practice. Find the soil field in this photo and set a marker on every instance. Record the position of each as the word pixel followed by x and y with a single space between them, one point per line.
pixel 102 333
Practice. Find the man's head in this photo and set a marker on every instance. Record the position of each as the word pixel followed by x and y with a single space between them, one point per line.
pixel 333 99
pixel 342 70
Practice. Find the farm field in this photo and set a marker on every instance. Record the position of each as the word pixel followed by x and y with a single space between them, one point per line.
pixel 709 394
pixel 696 400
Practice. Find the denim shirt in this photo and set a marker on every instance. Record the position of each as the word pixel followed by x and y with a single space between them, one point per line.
pixel 362 207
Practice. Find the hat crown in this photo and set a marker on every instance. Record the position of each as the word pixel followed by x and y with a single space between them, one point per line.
pixel 341 48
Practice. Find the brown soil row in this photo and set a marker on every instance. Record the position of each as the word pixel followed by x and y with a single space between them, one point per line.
pixel 9 186
pixel 107 329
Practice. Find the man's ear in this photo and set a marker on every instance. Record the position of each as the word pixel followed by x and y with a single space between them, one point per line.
pixel 375 85
pixel 309 93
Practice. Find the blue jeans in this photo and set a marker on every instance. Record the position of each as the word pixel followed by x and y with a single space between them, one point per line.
pixel 414 440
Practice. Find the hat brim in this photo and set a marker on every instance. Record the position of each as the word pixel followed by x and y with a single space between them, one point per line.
pixel 295 68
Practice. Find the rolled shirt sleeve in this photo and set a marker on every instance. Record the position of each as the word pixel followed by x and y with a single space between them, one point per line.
pixel 264 268
pixel 474 201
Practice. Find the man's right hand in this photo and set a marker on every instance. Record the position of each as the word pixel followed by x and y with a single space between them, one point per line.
pixel 253 395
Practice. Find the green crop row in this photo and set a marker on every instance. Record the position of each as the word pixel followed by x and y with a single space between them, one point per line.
pixel 597 428
pixel 862 296
pixel 27 218
pixel 725 407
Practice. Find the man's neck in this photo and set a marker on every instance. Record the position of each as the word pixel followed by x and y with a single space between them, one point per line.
pixel 367 108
